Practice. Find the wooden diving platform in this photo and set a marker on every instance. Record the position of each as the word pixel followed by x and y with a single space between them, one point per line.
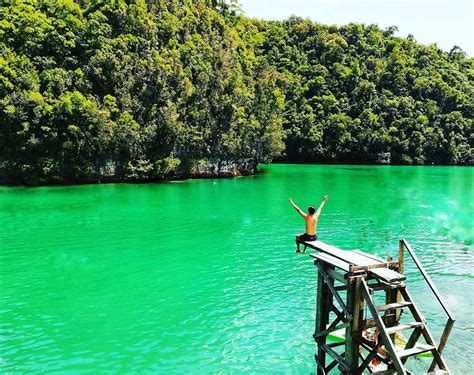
pixel 354 261
pixel 347 283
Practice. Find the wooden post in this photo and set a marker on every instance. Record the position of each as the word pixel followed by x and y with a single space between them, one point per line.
pixel 392 296
pixel 323 296
pixel 401 269
pixel 400 257
pixel 354 331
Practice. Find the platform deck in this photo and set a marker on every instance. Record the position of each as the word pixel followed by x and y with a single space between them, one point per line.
pixel 343 259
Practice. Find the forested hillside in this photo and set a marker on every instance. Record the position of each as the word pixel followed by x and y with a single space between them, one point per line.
pixel 357 94
pixel 96 90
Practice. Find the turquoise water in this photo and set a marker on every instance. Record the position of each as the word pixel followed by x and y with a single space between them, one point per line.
pixel 201 276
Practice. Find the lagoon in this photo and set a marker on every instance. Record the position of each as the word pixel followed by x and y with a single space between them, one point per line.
pixel 201 275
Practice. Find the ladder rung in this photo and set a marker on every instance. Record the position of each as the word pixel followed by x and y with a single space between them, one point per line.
pixel 403 327
pixel 383 286
pixel 420 348
pixel 392 306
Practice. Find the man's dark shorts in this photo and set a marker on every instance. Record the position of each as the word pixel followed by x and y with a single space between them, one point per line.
pixel 307 237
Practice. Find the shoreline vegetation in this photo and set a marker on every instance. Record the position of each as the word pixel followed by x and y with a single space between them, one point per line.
pixel 230 171
pixel 197 170
pixel 115 90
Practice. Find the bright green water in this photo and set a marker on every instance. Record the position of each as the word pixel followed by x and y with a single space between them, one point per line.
pixel 201 276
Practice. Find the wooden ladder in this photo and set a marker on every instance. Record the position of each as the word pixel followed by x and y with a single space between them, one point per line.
pixel 396 359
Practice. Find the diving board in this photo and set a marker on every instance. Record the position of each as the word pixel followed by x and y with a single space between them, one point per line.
pixel 353 260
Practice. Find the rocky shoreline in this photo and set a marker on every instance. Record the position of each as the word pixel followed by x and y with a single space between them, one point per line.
pixel 200 170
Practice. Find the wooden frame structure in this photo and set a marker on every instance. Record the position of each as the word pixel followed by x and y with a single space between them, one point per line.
pixel 347 284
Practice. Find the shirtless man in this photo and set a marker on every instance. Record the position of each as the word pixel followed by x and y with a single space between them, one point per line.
pixel 311 220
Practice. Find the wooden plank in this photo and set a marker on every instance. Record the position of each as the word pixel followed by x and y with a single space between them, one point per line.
pixel 420 348
pixel 344 255
pixel 332 261
pixel 386 275
pixel 373 266
pixel 377 259
pixel 339 258
pixel 403 327
pixel 384 286
pixel 392 306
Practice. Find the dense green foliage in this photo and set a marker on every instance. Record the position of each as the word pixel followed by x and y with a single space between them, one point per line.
pixel 358 94
pixel 129 89
pixel 147 89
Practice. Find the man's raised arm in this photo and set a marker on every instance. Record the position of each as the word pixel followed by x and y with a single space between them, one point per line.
pixel 321 205
pixel 296 207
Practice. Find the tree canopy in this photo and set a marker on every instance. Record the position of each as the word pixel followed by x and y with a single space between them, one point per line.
pixel 136 89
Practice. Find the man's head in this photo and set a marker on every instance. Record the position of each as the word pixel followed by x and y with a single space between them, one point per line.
pixel 311 210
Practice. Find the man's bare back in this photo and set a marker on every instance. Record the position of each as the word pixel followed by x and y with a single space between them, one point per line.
pixel 311 221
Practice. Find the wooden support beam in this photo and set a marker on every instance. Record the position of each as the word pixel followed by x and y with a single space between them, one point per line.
pixel 321 321
pixel 368 359
pixel 445 335
pixel 391 297
pixel 336 295
pixel 331 366
pixel 340 360
pixel 320 366
pixel 337 276
pixel 373 266
pixel 412 340
pixel 334 323
pixel 338 313
pixel 352 348
pixel 326 332
pixel 335 344
pixel 379 356
pixel 354 332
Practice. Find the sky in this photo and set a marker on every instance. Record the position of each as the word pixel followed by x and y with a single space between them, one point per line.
pixel 444 22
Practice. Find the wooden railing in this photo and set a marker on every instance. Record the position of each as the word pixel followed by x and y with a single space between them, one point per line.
pixel 449 324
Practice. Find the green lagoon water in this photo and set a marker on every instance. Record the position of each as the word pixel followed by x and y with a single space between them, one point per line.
pixel 201 276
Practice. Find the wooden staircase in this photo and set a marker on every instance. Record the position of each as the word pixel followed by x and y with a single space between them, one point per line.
pixel 418 329
pixel 349 283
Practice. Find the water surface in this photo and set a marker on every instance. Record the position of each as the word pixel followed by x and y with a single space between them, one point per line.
pixel 200 276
